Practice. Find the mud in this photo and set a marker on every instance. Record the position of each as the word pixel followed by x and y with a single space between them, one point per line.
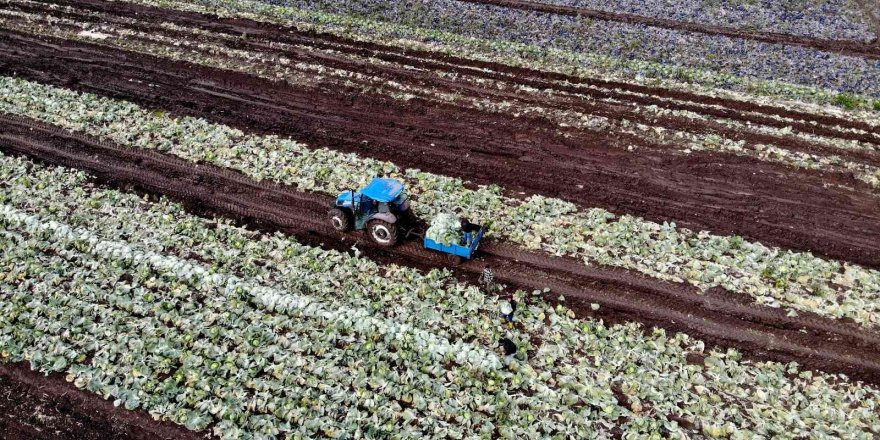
pixel 719 318
pixel 773 204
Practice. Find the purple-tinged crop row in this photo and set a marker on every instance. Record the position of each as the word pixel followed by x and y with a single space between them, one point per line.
pixel 661 47
pixel 826 19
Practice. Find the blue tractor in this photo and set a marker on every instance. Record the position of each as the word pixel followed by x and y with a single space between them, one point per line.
pixel 381 208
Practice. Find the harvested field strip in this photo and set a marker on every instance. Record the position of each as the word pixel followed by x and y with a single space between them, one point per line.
pixel 579 65
pixel 681 129
pixel 719 317
pixel 648 127
pixel 150 369
pixel 848 47
pixel 604 90
pixel 761 203
pixel 778 278
pixel 871 9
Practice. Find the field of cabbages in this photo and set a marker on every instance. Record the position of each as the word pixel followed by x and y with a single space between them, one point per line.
pixel 683 204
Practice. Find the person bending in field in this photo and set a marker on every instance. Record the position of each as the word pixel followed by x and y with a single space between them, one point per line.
pixel 467 226
pixel 508 308
pixel 509 349
pixel 468 229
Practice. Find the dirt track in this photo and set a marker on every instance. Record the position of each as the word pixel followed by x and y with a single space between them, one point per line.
pixel 718 107
pixel 540 79
pixel 724 194
pixel 718 318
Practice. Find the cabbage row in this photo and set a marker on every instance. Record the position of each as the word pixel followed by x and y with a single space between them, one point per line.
pixel 774 277
pixel 469 41
pixel 828 19
pixel 270 67
pixel 210 325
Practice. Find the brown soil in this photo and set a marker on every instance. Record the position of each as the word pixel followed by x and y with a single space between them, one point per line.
pixel 809 123
pixel 847 47
pixel 719 317
pixel 801 210
pixel 38 407
pixel 724 194
pixel 422 78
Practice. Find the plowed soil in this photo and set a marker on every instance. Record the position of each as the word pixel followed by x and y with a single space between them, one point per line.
pixel 725 194
pixel 38 407
pixel 829 214
pixel 720 317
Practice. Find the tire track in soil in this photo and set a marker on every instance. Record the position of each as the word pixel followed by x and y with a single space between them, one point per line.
pixel 810 123
pixel 720 317
pixel 614 112
pixel 845 47
pixel 724 194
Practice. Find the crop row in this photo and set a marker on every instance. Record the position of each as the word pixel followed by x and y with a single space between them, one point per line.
pixel 360 29
pixel 580 63
pixel 741 57
pixel 796 281
pixel 108 20
pixel 300 73
pixel 829 19
pixel 312 384
pixel 142 303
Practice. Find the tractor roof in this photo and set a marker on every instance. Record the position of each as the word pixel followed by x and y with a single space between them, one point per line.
pixel 383 190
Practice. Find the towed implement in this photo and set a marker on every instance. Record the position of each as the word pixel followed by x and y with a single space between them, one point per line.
pixel 464 249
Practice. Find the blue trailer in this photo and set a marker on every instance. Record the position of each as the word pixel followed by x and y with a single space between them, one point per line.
pixel 460 251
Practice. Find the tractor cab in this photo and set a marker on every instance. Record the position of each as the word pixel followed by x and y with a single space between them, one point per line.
pixel 379 208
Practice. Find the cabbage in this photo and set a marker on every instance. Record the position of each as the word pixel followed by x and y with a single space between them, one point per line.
pixel 806 283
pixel 280 351
pixel 445 229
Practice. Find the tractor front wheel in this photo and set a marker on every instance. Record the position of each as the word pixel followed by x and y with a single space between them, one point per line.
pixel 340 219
pixel 383 233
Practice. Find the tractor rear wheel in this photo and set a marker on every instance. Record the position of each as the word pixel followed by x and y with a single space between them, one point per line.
pixel 383 233
pixel 340 219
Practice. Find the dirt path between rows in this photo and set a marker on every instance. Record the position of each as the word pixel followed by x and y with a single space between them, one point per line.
pixel 718 317
pixel 417 72
pixel 714 106
pixel 38 407
pixel 846 47
pixel 776 205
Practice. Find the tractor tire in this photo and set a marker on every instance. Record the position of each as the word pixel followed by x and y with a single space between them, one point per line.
pixel 383 233
pixel 341 219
